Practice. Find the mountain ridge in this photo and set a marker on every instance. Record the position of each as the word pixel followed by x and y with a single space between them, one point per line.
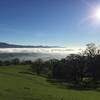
pixel 8 45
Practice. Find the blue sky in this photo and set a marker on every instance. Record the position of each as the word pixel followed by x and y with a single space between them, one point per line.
pixel 48 22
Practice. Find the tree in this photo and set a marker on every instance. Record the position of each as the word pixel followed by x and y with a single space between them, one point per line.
pixel 37 66
pixel 1 63
pixel 91 50
pixel 15 61
pixel 92 54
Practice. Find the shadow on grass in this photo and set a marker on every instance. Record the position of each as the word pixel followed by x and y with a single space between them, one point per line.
pixel 27 73
pixel 27 88
pixel 70 86
pixel 9 90
pixel 31 98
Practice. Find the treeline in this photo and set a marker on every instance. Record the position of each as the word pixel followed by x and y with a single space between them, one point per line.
pixel 78 70
pixel 15 61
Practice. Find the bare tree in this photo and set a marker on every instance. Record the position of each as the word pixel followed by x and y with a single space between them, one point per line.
pixel 91 50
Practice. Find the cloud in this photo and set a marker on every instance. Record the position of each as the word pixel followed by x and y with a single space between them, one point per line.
pixel 39 50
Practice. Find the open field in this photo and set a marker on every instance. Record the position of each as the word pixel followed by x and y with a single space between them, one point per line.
pixel 16 84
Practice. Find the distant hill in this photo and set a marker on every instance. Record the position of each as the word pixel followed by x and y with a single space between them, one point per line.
pixel 7 45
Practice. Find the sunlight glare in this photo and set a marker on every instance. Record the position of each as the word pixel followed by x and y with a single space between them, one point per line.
pixel 98 14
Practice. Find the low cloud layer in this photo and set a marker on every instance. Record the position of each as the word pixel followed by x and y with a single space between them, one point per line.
pixel 39 50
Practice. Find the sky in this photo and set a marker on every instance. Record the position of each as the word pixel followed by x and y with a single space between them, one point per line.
pixel 63 23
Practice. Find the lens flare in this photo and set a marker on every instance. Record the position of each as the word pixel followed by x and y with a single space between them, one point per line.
pixel 97 15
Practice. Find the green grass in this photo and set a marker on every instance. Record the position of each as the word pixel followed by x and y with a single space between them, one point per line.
pixel 14 85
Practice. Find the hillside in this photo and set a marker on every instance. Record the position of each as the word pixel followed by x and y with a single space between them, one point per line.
pixel 16 84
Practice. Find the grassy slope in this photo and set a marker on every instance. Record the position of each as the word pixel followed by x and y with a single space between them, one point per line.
pixel 17 86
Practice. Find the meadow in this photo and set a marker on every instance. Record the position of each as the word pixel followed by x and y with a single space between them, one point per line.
pixel 18 83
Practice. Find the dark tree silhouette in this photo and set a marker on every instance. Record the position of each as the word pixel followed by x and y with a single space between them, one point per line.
pixel 80 70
